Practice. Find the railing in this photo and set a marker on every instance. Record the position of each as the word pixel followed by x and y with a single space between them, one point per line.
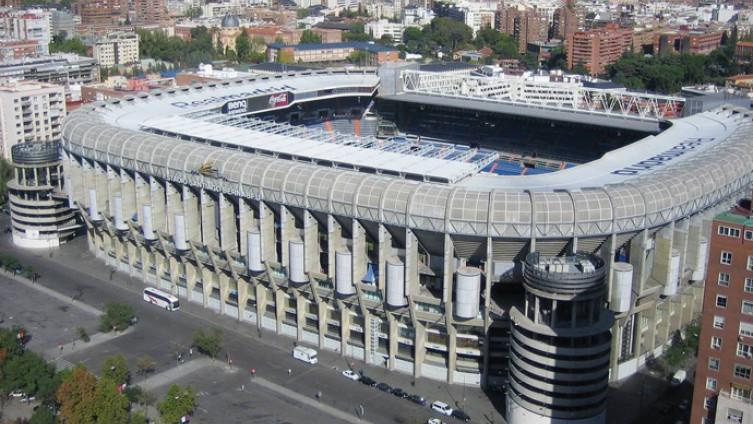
pixel 551 95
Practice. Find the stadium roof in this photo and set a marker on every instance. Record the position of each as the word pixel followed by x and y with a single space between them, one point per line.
pixel 358 45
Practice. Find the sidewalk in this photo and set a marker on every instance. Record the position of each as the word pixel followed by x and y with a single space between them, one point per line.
pixel 73 302
pixel 172 374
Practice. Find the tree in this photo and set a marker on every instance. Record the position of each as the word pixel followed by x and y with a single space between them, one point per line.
pixel 177 402
pixel 60 44
pixel 30 373
pixel 387 40
pixel 358 57
pixel 243 46
pixel 449 34
pixel 76 396
pixel 117 316
pixel 6 174
pixel 285 56
pixel 302 13
pixel 356 33
pixel 116 369
pixel 43 415
pixel 110 406
pixel 145 365
pixel 209 343
pixel 310 37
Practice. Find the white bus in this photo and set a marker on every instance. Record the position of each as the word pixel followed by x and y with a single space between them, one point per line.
pixel 161 299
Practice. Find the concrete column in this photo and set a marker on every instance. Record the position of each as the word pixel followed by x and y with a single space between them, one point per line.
pixel 392 350
pixel 192 275
pixel 360 254
pixel 174 269
pixel 663 256
pixel 323 317
pixel 191 214
pixel 224 290
pixel 157 199
pixel 209 218
pixel 287 232
pixel 488 275
pixel 344 329
pixel 100 176
pixel 207 282
pixel 244 287
pixel 448 269
pixel 74 176
pixel 281 303
pixel 638 260
pixel 680 243
pixel 300 315
pixel 246 222
pixel 367 337
pixel 113 188
pixel 608 251
pixel 411 263
pixel 267 228
pixel 334 242
pixel 615 350
pixel 261 304
pixel 173 206
pixel 452 344
pixel 228 230
pixel 419 352
pixel 385 251
pixel 311 243
pixel 142 196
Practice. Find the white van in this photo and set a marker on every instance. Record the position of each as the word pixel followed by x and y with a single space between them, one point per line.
pixel 678 377
pixel 305 354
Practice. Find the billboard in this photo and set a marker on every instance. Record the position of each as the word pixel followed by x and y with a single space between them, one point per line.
pixel 255 104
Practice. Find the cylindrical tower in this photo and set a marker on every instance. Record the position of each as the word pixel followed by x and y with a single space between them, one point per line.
pixel 560 346
pixel 39 210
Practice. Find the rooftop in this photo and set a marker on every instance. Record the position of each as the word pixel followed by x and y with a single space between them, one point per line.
pixel 358 45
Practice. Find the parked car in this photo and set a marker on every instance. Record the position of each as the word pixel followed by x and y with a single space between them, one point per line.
pixel 461 415
pixel 350 375
pixel 365 379
pixel 16 394
pixel 678 377
pixel 419 400
pixel 384 387
pixel 28 399
pixel 441 407
pixel 399 392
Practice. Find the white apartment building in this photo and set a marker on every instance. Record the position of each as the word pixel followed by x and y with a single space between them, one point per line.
pixel 31 24
pixel 117 48
pixel 30 111
pixel 382 27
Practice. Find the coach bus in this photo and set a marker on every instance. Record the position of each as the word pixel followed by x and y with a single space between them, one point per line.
pixel 161 299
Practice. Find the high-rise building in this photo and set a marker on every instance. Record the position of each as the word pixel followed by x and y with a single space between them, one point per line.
pixel 150 12
pixel 597 48
pixel 567 20
pixel 522 23
pixel 30 111
pixel 100 13
pixel 117 48
pixel 723 380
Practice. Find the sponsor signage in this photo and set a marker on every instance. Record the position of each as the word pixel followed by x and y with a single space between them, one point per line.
pixel 663 158
pixel 278 100
pixel 235 96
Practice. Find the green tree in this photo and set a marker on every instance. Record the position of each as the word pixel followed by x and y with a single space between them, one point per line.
pixel 356 33
pixel 116 369
pixel 387 40
pixel 302 13
pixel 110 406
pixel 60 44
pixel 243 47
pixel 29 373
pixel 117 316
pixel 44 415
pixel 449 34
pixel 310 37
pixel 178 401
pixel 145 365
pixel 6 174
pixel 209 343
pixel 358 57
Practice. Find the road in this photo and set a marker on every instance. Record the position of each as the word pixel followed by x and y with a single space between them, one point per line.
pixel 71 270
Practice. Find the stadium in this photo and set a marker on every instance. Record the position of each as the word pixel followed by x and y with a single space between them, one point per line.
pixel 542 237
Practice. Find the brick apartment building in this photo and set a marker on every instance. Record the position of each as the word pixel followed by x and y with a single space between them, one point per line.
pixel 723 381
pixel 522 23
pixel 744 51
pixel 597 48
pixel 694 42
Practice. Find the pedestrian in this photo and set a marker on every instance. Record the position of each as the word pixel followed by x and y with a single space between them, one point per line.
pixel 319 395
pixel 253 372
pixel 243 387
pixel 60 346
pixel 190 351
pixel 289 372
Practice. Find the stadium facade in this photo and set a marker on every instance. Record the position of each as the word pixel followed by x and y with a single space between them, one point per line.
pixel 407 255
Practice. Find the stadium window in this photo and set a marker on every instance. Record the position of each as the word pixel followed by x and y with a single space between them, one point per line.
pixel 729 231
pixel 723 279
pixel 714 364
pixel 721 301
pixel 746 329
pixel 748 287
pixel 719 322
pixel 716 342
pixel 726 258
pixel 742 371
pixel 711 383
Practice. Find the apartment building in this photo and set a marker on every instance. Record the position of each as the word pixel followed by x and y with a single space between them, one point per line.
pixel 723 384
pixel 597 48
pixel 27 25
pixel 522 23
pixel 117 48
pixel 30 111
pixel 375 54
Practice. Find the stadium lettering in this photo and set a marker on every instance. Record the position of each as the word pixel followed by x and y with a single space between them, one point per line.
pixel 236 96
pixel 663 158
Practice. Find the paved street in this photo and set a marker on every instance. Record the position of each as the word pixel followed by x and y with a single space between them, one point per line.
pixel 74 272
